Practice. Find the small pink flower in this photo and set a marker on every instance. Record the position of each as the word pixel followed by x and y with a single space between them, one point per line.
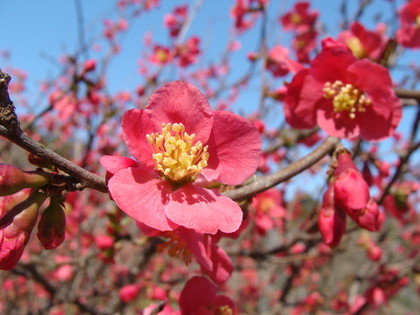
pixel 343 95
pixel 176 139
pixel 185 243
pixel 362 42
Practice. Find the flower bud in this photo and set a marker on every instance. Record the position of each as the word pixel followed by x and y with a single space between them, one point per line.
pixel 16 226
pixel 89 65
pixel 13 179
pixel 351 192
pixel 331 220
pixel 370 218
pixel 52 226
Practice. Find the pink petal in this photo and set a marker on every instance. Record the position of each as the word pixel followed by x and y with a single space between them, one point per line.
pixel 198 292
pixel 299 103
pixel 234 149
pixel 114 164
pixel 180 102
pixel 136 125
pixel 203 210
pixel 195 243
pixel 221 267
pixel 142 196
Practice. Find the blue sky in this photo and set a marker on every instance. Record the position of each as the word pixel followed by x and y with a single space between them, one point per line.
pixel 35 34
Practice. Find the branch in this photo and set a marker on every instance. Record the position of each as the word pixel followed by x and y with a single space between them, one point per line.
pixel 265 182
pixel 402 93
pixel 10 129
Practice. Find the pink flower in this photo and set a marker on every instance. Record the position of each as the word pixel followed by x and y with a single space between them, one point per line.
pixel 176 139
pixel 269 210
pixel 408 34
pixel 185 243
pixel 299 19
pixel 362 42
pixel 199 296
pixel 343 95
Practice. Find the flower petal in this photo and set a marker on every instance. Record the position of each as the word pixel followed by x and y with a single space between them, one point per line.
pixel 203 210
pixel 180 102
pixel 142 196
pixel 136 124
pixel 114 164
pixel 299 103
pixel 234 149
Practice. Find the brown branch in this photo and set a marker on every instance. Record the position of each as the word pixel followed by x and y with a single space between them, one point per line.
pixel 10 129
pixel 265 182
pixel 402 93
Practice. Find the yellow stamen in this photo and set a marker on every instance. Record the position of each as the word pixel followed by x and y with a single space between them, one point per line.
pixel 178 158
pixel 177 247
pixel 346 97
pixel 224 310
pixel 418 20
pixel 356 47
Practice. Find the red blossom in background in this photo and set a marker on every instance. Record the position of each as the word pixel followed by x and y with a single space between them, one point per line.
pixel 175 139
pixel 408 35
pixel 362 42
pixel 343 95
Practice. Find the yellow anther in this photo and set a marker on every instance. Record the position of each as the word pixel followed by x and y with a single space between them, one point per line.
pixel 178 159
pixel 223 310
pixel 418 20
pixel 346 97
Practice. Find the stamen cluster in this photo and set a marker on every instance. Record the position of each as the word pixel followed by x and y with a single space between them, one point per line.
pixel 346 97
pixel 177 158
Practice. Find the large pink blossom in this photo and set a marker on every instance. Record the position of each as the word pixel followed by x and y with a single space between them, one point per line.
pixel 346 97
pixel 176 139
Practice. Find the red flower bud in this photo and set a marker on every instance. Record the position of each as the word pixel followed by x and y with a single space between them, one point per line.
pixel 89 65
pixel 370 218
pixel 52 226
pixel 13 179
pixel 331 220
pixel 16 225
pixel 351 192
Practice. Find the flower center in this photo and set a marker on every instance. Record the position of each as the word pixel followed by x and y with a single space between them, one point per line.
pixel 356 47
pixel 346 97
pixel 176 247
pixel 418 21
pixel 177 159
pixel 224 310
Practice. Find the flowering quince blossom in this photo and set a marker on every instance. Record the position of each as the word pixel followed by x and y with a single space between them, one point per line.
pixel 408 34
pixel 343 95
pixel 176 139
pixel 185 243
pixel 362 42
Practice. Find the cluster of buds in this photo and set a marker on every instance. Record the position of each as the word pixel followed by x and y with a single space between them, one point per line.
pixel 347 195
pixel 21 197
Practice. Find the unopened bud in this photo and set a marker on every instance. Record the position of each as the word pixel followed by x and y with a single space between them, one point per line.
pixel 15 228
pixel 13 179
pixel 370 218
pixel 52 226
pixel 331 220
pixel 89 65
pixel 351 192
